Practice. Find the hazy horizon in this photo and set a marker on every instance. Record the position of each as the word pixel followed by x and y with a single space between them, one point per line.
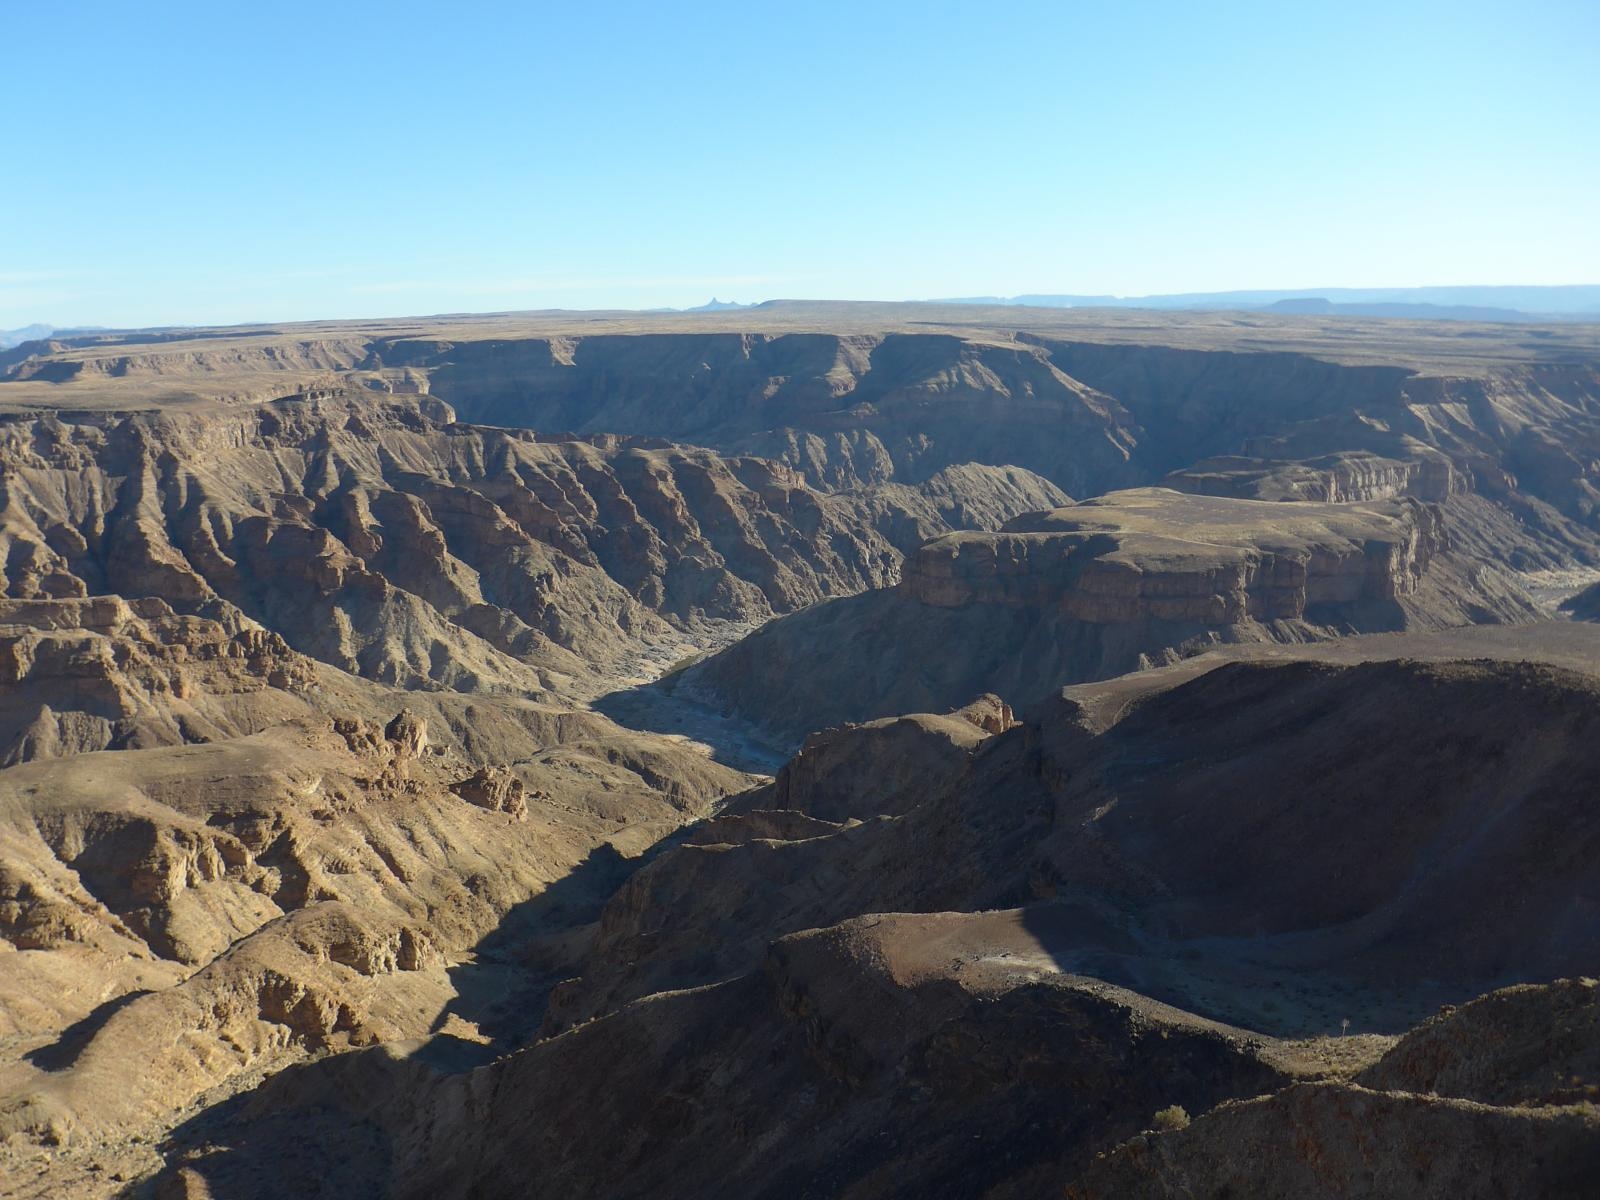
pixel 1583 304
pixel 201 166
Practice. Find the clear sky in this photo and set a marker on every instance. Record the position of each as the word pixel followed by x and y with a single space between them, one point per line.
pixel 181 162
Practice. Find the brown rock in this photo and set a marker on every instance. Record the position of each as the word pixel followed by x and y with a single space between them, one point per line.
pixel 989 713
pixel 496 789
pixel 408 734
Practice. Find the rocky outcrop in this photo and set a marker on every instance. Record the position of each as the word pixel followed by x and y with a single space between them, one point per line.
pixel 86 674
pixel 989 713
pixel 1355 476
pixel 494 788
pixel 866 770
pixel 1096 589
pixel 408 734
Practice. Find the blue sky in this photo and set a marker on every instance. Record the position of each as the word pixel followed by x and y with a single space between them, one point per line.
pixel 178 162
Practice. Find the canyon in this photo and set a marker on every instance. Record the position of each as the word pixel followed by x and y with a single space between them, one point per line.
pixel 804 750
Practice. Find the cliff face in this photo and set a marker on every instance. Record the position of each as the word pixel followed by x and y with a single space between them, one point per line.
pixel 383 538
pixel 1146 555
pixel 1100 588
pixel 843 409
pixel 1356 476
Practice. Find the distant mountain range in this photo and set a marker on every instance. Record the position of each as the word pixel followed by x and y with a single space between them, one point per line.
pixel 1576 302
pixel 1481 303
pixel 28 333
pixel 11 338
pixel 716 305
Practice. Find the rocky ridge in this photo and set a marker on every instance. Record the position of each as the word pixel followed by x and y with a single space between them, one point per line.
pixel 1113 408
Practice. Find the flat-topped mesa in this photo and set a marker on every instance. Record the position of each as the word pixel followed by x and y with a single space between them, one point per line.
pixel 1158 554
pixel 1345 477
pixel 1097 589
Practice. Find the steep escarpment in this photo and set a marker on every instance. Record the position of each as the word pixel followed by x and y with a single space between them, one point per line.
pixel 1517 432
pixel 1099 588
pixel 1354 476
pixel 842 409
pixel 383 538
pixel 1101 411
pixel 852 408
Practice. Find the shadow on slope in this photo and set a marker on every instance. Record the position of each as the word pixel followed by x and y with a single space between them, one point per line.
pixel 665 707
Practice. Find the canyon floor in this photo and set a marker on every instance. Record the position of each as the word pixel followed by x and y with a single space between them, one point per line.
pixel 803 751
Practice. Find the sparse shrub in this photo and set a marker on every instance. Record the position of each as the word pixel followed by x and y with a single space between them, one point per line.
pixel 1170 1119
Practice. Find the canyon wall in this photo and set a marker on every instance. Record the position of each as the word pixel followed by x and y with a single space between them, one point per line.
pixel 1096 589
pixel 850 409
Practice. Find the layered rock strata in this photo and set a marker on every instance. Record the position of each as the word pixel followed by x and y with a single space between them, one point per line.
pixel 1099 588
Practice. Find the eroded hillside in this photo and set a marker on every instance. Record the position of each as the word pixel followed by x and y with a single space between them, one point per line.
pixel 386 539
